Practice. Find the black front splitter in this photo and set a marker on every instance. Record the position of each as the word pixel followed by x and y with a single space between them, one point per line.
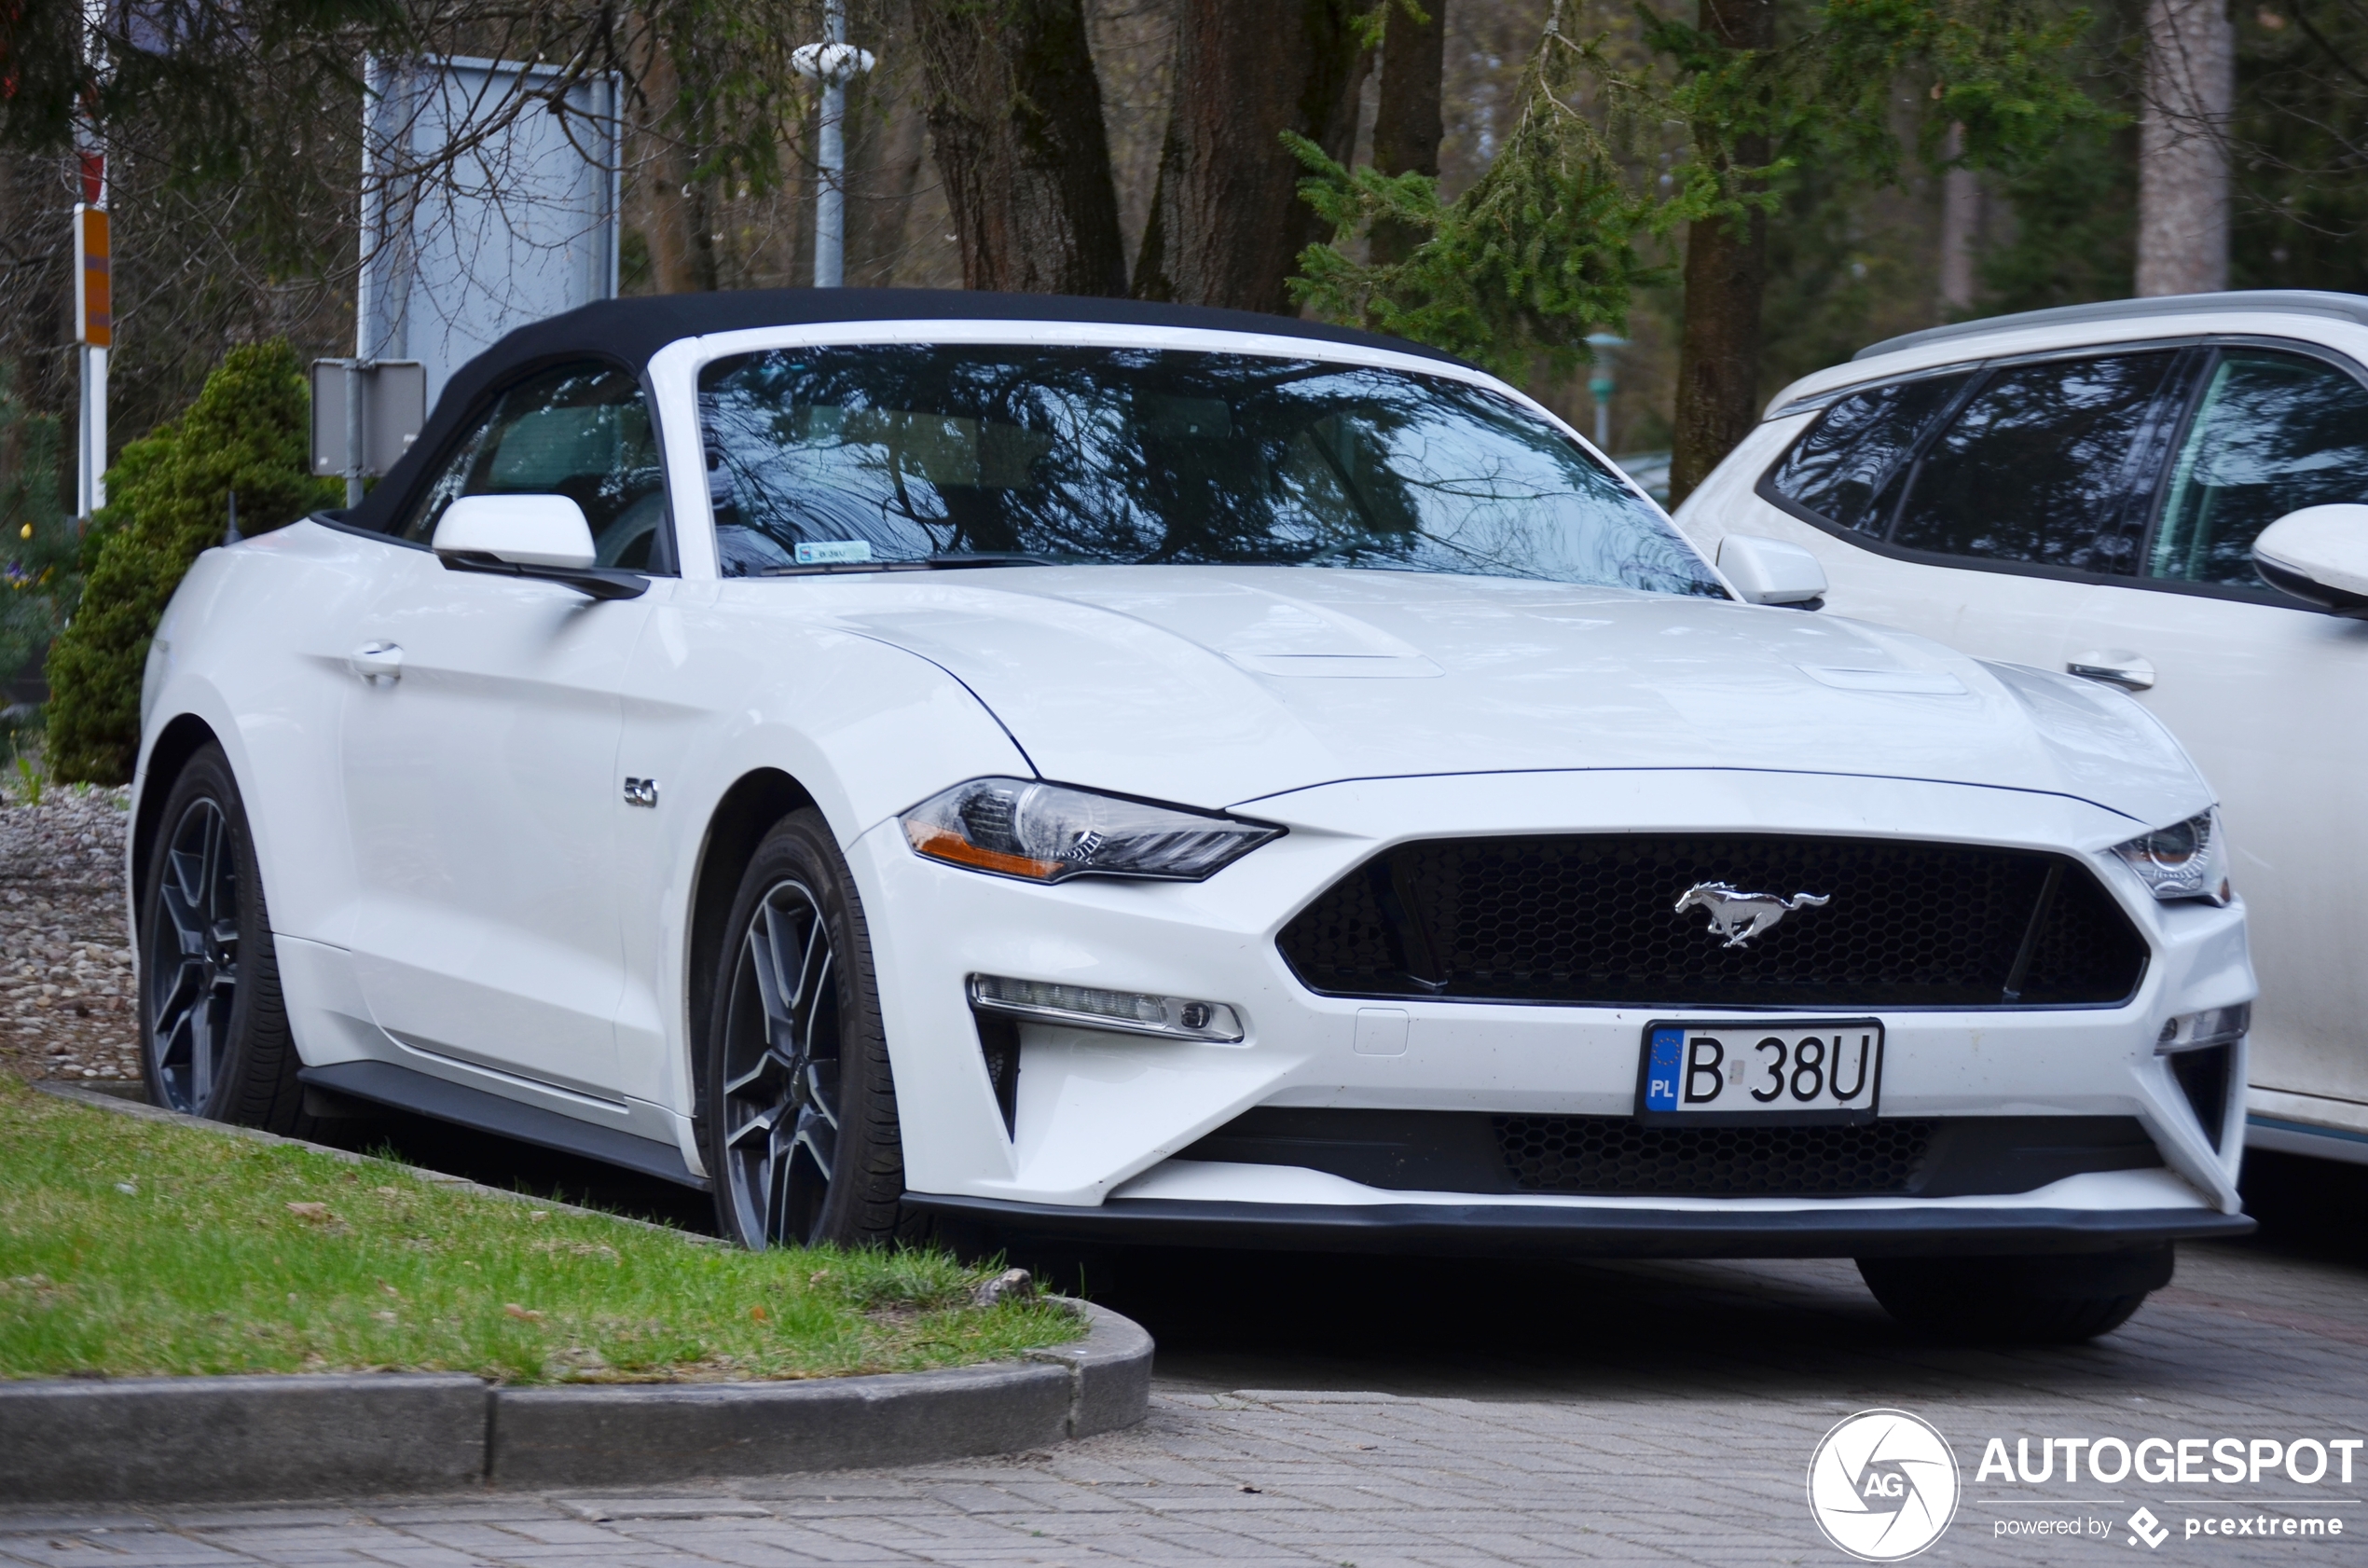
pixel 1542 1230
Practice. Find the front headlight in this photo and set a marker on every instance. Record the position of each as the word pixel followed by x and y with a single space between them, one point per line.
pixel 2183 861
pixel 1049 832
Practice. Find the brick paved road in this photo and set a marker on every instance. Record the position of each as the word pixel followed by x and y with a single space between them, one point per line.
pixel 1458 1417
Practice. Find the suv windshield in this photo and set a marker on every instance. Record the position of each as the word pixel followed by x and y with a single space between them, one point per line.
pixel 849 459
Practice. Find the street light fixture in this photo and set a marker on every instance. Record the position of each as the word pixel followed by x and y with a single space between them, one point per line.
pixel 833 63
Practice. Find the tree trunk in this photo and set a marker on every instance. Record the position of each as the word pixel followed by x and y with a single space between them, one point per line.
pixel 675 218
pixel 1016 118
pixel 886 149
pixel 1726 276
pixel 2182 150
pixel 1406 131
pixel 1960 200
pixel 1227 225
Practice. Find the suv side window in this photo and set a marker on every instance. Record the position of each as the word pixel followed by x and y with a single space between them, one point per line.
pixel 580 431
pixel 1845 468
pixel 2044 465
pixel 2272 433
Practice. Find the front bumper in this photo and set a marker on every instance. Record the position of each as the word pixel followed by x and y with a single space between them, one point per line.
pixel 1575 1230
pixel 1100 1118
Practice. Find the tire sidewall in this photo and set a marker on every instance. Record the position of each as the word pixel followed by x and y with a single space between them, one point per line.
pixel 207 775
pixel 867 1181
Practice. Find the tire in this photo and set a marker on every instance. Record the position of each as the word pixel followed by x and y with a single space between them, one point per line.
pixel 2043 1300
pixel 213 1029
pixel 800 1108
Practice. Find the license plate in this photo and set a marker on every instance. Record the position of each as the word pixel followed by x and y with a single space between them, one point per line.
pixel 1820 1069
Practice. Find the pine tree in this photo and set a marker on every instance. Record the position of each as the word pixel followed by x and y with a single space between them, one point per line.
pixel 170 491
pixel 38 541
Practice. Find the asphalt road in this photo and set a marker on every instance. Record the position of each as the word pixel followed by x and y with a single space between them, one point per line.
pixel 1353 1413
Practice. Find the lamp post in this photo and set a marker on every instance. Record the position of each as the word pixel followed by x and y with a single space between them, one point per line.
pixel 833 63
pixel 1600 385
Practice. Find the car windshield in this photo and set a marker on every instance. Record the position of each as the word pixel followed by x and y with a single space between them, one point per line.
pixel 881 456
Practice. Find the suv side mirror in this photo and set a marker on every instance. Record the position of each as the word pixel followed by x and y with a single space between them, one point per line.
pixel 522 529
pixel 2319 554
pixel 1770 571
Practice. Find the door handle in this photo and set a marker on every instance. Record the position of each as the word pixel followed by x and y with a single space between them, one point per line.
pixel 2115 667
pixel 375 662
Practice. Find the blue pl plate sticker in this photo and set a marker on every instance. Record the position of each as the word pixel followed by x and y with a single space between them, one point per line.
pixel 1662 1064
pixel 834 552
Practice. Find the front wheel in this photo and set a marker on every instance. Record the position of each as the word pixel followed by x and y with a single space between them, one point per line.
pixel 213 1030
pixel 2048 1299
pixel 802 1137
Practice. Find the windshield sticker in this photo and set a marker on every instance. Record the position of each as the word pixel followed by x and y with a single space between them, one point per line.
pixel 833 552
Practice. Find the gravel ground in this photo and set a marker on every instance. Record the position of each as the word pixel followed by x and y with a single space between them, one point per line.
pixel 65 967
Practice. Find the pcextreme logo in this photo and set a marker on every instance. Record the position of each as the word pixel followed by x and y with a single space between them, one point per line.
pixel 1882 1485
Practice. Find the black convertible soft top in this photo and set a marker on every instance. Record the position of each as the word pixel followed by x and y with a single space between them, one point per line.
pixel 629 331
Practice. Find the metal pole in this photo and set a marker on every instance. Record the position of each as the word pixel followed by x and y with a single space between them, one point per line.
pixel 1600 385
pixel 830 202
pixel 353 453
pixel 94 378
pixel 373 205
pixel 82 439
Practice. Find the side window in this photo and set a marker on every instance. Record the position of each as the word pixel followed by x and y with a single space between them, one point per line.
pixel 580 431
pixel 2044 465
pixel 1845 469
pixel 2272 433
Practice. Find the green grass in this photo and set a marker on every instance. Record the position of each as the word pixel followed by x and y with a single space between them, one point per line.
pixel 132 1247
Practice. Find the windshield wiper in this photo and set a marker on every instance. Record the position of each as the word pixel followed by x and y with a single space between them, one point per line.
pixel 927 563
pixel 989 557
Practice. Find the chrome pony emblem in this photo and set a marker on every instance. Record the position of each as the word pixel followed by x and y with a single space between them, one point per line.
pixel 1739 917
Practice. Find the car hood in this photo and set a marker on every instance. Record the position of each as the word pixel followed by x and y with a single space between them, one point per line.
pixel 1218 686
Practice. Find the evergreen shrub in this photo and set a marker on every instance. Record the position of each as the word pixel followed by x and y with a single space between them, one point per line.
pixel 169 494
pixel 40 579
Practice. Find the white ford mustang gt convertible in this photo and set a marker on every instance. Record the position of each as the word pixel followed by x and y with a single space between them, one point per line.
pixel 1093 772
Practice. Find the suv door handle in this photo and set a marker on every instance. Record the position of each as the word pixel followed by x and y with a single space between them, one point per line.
pixel 2115 667
pixel 375 662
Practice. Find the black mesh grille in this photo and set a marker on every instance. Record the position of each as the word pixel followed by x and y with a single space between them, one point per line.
pixel 1619 1156
pixel 1592 918
pixel 1611 1156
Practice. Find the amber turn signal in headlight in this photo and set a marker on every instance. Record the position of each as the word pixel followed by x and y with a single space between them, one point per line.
pixel 1049 832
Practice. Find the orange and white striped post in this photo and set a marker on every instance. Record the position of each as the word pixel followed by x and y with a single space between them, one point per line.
pixel 94 328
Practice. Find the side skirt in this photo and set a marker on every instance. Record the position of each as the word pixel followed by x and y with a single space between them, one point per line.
pixel 383 1083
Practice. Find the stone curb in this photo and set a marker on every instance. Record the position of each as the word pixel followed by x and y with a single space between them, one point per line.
pixel 249 1438
pixel 326 1435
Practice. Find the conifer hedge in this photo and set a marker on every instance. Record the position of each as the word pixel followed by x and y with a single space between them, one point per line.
pixel 169 494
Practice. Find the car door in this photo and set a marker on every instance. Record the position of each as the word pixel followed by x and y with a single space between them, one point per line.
pixel 1988 498
pixel 2269 695
pixel 479 747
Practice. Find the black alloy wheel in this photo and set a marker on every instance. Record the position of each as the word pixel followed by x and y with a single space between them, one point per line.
pixel 781 1068
pixel 193 955
pixel 213 1030
pixel 800 1109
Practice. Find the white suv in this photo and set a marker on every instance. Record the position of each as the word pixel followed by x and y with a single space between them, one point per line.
pixel 2083 490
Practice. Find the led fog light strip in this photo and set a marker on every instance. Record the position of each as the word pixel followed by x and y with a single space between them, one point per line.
pixel 2200 1031
pixel 1090 1008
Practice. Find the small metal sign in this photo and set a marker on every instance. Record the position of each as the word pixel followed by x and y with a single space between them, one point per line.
pixel 394 404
